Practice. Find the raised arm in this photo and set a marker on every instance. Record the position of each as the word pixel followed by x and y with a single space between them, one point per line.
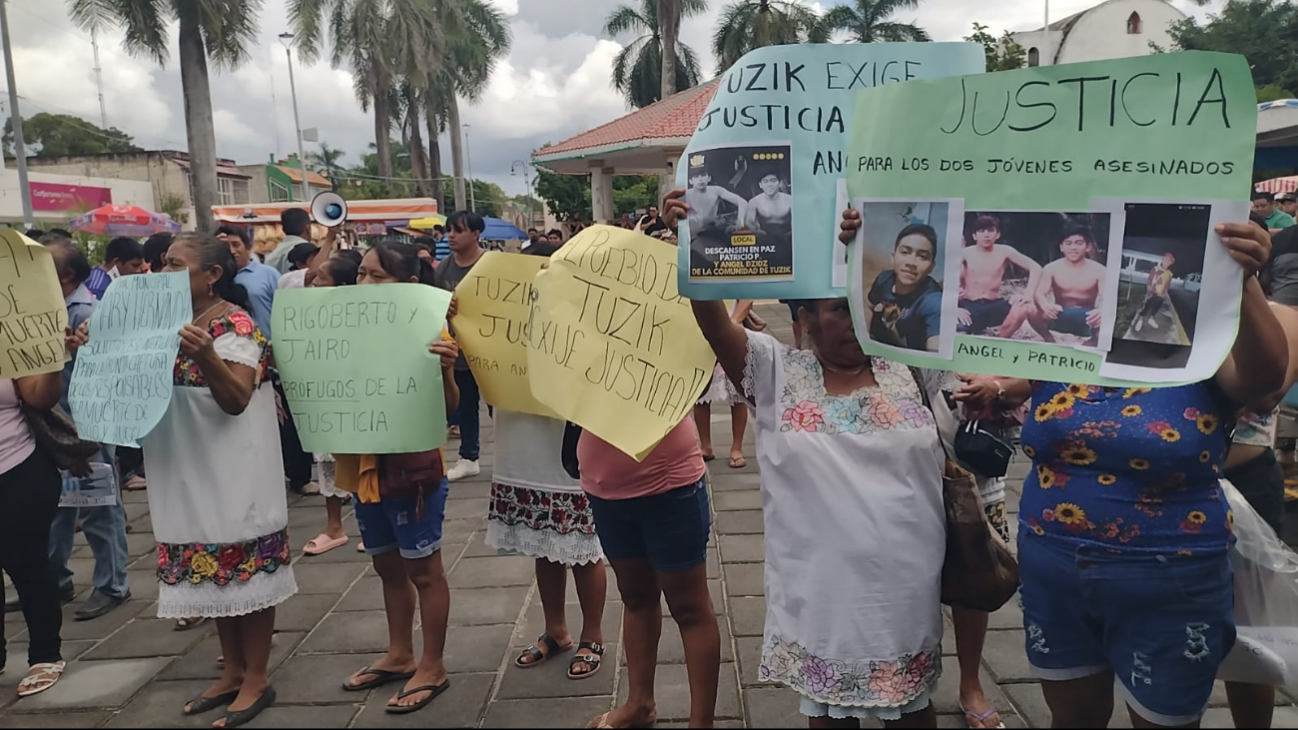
pixel 326 250
pixel 231 383
pixel 1254 373
pixel 1043 287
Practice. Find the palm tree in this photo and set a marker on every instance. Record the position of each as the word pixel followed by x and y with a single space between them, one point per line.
pixel 867 21
pixel 749 24
pixel 326 159
pixel 670 13
pixel 381 40
pixel 220 30
pixel 638 68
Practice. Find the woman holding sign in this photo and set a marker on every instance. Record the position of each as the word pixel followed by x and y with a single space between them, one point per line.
pixel 1124 532
pixel 853 567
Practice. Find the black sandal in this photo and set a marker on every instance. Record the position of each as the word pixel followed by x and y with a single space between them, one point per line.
pixel 433 693
pixel 201 704
pixel 243 717
pixel 381 677
pixel 535 656
pixel 592 661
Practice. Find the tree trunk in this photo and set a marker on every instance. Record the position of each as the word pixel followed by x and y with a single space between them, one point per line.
pixel 457 149
pixel 669 22
pixel 418 163
pixel 199 131
pixel 435 157
pixel 382 125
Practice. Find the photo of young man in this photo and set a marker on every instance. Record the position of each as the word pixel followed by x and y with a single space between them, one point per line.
pixel 1068 295
pixel 984 305
pixel 905 301
pixel 741 212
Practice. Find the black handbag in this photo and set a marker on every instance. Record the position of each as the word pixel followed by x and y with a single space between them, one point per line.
pixel 56 436
pixel 568 456
pixel 983 449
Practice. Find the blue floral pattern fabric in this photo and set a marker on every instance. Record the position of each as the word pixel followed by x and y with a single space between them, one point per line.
pixel 1130 469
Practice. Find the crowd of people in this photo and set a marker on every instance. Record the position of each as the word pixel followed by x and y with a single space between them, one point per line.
pixel 1123 534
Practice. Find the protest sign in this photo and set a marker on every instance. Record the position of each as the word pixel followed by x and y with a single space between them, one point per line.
pixel 121 383
pixel 494 303
pixel 32 313
pixel 356 369
pixel 1054 223
pixel 763 168
pixel 612 346
pixel 97 490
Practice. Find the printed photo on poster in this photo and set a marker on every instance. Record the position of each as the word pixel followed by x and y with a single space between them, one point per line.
pixel 907 273
pixel 1163 248
pixel 741 213
pixel 1035 276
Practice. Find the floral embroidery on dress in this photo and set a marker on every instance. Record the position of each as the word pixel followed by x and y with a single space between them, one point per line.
pixel 222 563
pixel 561 512
pixel 187 372
pixel 875 683
pixel 895 402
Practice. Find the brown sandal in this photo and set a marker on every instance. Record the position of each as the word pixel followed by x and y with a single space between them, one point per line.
pixel 593 660
pixel 536 657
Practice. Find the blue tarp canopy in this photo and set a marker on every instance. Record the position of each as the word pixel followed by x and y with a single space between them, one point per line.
pixel 498 230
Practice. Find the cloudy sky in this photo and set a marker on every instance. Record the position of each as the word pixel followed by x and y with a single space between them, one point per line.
pixel 554 84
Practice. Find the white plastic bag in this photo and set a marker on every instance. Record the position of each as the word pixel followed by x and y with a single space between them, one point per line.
pixel 1266 601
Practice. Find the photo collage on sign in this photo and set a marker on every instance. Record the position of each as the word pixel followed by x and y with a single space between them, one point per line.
pixel 1121 279
pixel 741 213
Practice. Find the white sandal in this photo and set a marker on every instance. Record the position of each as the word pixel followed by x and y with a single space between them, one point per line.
pixel 40 677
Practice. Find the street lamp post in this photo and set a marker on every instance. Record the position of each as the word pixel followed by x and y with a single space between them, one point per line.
pixel 468 156
pixel 287 40
pixel 531 220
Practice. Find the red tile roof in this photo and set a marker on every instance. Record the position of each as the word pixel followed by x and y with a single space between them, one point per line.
pixel 675 117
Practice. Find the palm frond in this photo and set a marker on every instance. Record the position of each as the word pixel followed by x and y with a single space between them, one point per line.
pixel 646 85
pixel 688 71
pixel 145 23
pixel 624 61
pixel 229 28
pixel 900 32
pixel 625 19
pixel 690 8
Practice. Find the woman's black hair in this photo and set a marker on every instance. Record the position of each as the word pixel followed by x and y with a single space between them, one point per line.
pixel 212 253
pixel 155 247
pixel 402 261
pixel 349 254
pixel 342 269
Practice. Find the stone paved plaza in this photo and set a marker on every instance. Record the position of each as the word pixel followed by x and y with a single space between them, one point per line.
pixel 130 669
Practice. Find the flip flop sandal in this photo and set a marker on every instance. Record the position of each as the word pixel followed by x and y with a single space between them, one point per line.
pixel 381 677
pixel 360 547
pixel 592 661
pixel 322 543
pixel 433 693
pixel 40 677
pixel 135 484
pixel 971 717
pixel 243 717
pixel 739 463
pixel 186 624
pixel 201 704
pixel 536 657
pixel 600 722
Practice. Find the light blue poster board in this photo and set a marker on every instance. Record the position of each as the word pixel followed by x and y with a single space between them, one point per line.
pixel 121 384
pixel 765 171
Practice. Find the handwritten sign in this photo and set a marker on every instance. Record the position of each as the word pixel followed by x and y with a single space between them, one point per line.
pixel 32 313
pixel 97 490
pixel 491 325
pixel 612 346
pixel 763 168
pixel 1079 203
pixel 121 383
pixel 356 369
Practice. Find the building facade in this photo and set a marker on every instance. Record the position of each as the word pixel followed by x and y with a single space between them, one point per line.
pixel 281 182
pixel 56 199
pixel 1112 29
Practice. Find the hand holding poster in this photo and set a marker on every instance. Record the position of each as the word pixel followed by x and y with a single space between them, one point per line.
pixel 612 346
pixel 32 313
pixel 356 369
pixel 494 304
pixel 121 383
pixel 1054 223
pixel 763 169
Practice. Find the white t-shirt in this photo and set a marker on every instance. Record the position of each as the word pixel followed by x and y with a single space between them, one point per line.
pixel 529 452
pixel 292 280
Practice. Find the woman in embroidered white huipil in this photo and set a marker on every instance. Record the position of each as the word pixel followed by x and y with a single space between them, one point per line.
pixel 855 529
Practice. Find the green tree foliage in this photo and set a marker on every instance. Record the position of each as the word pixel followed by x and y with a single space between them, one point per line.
pixel 1002 55
pixel 1264 31
pixel 55 135
pixel 749 24
pixel 637 68
pixel 567 196
pixel 868 21
pixel 634 192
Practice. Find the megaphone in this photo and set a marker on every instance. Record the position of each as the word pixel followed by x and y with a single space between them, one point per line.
pixel 329 209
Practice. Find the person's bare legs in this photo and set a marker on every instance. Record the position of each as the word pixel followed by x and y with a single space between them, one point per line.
pixel 738 422
pixel 399 598
pixel 552 587
pixel 1019 313
pixel 1139 722
pixel 691 606
pixel 829 723
pixel 592 588
pixel 334 512
pixel 255 631
pixel 970 633
pixel 1251 705
pixel 703 420
pixel 1085 702
pixel 228 630
pixel 430 583
pixel 642 625
pixel 925 718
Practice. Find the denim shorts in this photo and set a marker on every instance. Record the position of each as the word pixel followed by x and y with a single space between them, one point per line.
pixel 670 530
pixel 1162 623
pixel 397 524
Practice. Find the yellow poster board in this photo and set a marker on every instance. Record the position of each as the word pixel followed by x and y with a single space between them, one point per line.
pixel 494 303
pixel 612 346
pixel 32 313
